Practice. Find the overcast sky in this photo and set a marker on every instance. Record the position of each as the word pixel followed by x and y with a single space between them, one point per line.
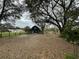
pixel 25 21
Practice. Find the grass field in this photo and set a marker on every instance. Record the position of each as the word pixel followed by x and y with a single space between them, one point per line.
pixel 10 34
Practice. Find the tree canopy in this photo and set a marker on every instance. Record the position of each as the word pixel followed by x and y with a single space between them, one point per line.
pixel 9 10
pixel 56 12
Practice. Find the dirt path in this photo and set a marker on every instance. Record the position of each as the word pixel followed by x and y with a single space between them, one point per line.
pixel 34 46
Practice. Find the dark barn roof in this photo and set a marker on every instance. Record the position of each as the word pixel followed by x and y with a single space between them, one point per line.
pixel 35 29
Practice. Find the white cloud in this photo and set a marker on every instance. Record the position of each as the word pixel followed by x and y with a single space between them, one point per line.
pixel 24 23
pixel 25 20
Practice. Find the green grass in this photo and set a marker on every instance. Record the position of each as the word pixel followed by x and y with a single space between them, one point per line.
pixel 69 56
pixel 52 29
pixel 10 34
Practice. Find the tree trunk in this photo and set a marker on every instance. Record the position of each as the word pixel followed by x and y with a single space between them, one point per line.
pixel 2 11
pixel 43 27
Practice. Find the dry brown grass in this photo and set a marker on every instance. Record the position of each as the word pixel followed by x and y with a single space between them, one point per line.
pixel 34 46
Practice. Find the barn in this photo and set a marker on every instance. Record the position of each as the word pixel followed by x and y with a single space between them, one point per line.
pixel 35 29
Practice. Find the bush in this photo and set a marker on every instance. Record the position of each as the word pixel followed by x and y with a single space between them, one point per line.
pixel 71 35
pixel 27 30
pixel 69 56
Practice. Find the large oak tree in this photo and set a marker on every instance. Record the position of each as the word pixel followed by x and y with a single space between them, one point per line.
pixel 56 12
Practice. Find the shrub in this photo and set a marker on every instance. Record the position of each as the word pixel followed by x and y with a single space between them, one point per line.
pixel 27 30
pixel 69 56
pixel 71 35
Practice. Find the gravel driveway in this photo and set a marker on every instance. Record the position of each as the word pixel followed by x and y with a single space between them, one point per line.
pixel 34 46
